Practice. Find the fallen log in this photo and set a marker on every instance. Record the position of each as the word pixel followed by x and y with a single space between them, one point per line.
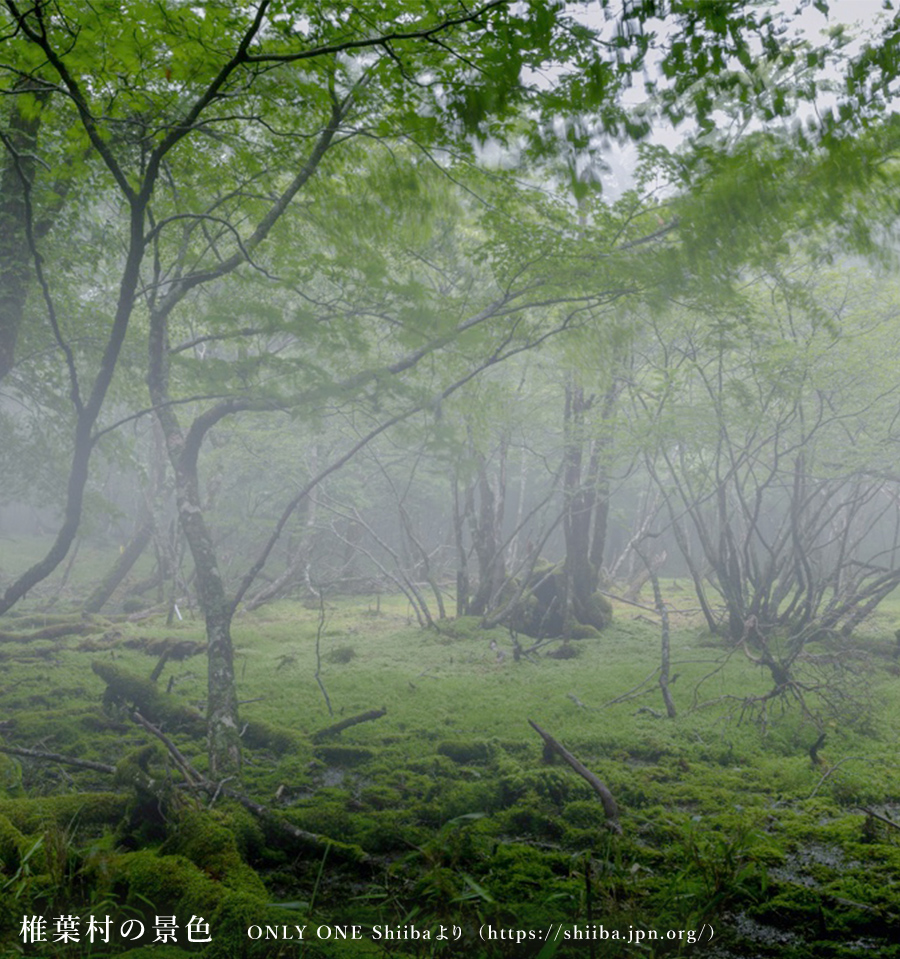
pixel 197 781
pixel 143 694
pixel 57 631
pixel 57 758
pixel 337 728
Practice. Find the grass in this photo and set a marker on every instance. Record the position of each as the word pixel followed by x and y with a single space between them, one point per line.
pixel 453 814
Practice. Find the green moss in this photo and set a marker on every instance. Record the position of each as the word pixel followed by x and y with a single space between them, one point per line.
pixel 248 833
pixel 207 840
pixel 463 627
pixel 583 813
pixel 446 794
pixel 459 799
pixel 12 844
pixel 600 612
pixel 465 751
pixel 85 809
pixel 228 926
pixel 327 815
pixel 343 755
pixel 262 735
pixel 124 688
pixel 68 729
pixel 523 875
pixel 10 776
pixel 165 882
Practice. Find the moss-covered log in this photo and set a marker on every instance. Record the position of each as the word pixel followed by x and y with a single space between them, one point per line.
pixel 87 809
pixel 159 707
pixel 73 627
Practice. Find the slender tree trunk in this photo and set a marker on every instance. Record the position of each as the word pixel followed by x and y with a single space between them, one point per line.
pixel 486 534
pixel 141 537
pixel 460 515
pixel 122 566
pixel 87 414
pixel 221 707
pixel 224 743
pixel 16 176
pixel 580 499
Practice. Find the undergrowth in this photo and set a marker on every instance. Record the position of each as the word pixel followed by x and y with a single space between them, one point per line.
pixel 443 812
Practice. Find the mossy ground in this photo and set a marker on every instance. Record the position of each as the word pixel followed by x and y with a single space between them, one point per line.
pixel 442 811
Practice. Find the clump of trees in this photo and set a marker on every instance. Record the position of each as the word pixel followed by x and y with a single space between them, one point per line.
pixel 217 220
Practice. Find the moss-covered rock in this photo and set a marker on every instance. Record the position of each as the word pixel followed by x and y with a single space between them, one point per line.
pixel 542 612
pixel 599 613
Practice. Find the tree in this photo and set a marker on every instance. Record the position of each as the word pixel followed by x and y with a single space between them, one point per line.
pixel 184 122
pixel 770 457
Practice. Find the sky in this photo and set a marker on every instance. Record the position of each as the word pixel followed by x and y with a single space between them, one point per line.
pixel 859 17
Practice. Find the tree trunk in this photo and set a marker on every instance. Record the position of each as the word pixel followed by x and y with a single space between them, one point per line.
pixel 462 565
pixel 223 730
pixel 221 705
pixel 579 500
pixel 120 569
pixel 486 534
pixel 16 176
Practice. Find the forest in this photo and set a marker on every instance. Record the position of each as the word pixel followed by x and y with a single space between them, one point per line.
pixel 449 500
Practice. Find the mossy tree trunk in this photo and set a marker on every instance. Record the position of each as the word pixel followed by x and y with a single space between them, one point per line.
pixel 486 528
pixel 16 176
pixel 221 708
pixel 586 503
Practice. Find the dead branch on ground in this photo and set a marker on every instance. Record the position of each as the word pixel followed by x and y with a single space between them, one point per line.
pixel 610 808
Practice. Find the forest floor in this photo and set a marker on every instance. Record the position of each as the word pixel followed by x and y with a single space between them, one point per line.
pixel 443 817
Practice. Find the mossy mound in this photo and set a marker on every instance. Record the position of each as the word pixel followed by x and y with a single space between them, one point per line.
pixel 541 613
pixel 208 840
pixel 86 809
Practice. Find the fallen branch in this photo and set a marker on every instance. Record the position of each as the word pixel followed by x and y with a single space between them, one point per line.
pixel 347 723
pixel 879 817
pixel 187 770
pixel 834 769
pixel 196 781
pixel 610 808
